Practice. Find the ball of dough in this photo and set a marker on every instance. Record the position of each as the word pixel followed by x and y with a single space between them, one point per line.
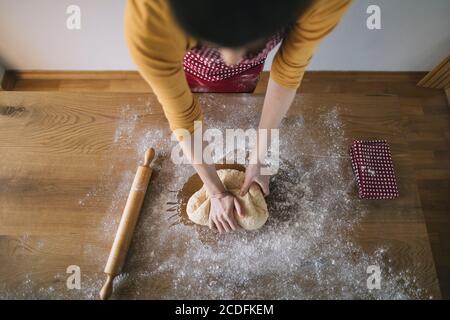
pixel 253 202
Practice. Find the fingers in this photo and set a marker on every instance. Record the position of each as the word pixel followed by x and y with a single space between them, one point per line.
pixel 225 225
pixel 239 209
pixel 223 216
pixel 211 224
pixel 232 222
pixel 245 186
pixel 264 187
pixel 218 226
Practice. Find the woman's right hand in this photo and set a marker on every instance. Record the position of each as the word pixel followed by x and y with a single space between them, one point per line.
pixel 223 204
pixel 222 212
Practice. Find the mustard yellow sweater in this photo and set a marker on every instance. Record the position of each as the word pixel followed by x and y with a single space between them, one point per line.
pixel 157 46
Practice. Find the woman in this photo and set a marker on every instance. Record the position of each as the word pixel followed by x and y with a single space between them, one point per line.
pixel 182 46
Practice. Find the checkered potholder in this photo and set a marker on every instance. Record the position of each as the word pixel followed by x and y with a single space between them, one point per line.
pixel 374 170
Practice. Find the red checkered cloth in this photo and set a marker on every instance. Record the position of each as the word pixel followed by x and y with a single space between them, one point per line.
pixel 374 170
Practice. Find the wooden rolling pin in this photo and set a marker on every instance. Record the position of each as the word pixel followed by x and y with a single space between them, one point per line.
pixel 127 223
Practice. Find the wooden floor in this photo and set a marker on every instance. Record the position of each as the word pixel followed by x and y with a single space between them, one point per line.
pixel 60 126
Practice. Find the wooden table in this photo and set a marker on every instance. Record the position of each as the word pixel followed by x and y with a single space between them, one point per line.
pixel 55 146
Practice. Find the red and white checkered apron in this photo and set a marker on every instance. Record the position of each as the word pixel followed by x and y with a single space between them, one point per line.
pixel 374 170
pixel 206 72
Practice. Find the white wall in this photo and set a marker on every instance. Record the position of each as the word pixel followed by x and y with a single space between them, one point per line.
pixel 415 36
pixel 33 35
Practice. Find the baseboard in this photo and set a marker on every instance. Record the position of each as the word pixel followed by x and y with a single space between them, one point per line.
pixel 7 82
pixel 75 75
pixel 132 75
pixel 131 81
pixel 2 74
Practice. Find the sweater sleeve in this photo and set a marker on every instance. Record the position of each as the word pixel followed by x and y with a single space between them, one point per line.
pixel 302 40
pixel 157 47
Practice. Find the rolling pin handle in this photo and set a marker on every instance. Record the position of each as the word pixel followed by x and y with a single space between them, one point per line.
pixel 149 155
pixel 107 289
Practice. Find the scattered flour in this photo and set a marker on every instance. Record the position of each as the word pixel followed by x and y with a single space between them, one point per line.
pixel 305 251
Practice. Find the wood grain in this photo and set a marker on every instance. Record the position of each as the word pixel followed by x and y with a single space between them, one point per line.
pixel 131 81
pixel 56 145
pixel 41 184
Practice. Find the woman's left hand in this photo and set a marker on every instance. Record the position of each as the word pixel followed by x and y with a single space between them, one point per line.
pixel 253 175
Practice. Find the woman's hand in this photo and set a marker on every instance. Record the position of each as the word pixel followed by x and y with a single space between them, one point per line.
pixel 276 104
pixel 253 175
pixel 222 212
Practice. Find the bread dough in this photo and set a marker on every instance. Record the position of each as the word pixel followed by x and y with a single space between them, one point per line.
pixel 253 202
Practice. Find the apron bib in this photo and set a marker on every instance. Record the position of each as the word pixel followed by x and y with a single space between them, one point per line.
pixel 206 72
